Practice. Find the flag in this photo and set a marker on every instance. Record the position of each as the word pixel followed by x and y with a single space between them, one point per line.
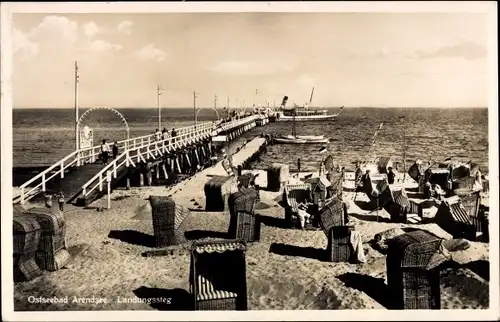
pixel 323 150
pixel 380 127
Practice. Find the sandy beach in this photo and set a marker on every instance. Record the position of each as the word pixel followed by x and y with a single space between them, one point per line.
pixel 285 270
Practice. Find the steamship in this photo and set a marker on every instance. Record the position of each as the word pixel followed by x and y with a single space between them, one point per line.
pixel 303 113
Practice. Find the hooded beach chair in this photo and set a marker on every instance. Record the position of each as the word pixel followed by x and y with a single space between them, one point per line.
pixel 293 195
pixel 412 270
pixel 168 221
pixel 244 224
pixel 51 254
pixel 217 275
pixel 452 216
pixel 333 221
pixel 26 238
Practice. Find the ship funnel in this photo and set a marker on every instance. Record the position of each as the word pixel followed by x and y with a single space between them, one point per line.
pixel 283 102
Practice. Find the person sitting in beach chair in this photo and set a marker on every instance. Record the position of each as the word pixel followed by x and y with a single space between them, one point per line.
pixel 427 189
pixel 304 217
pixel 439 192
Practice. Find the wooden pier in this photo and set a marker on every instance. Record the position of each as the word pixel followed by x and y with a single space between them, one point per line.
pixel 191 190
pixel 82 178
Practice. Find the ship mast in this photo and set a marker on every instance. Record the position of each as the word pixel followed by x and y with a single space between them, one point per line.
pixel 311 98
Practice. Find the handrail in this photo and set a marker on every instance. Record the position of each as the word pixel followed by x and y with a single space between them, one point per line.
pixel 179 131
pixel 169 142
pixel 183 135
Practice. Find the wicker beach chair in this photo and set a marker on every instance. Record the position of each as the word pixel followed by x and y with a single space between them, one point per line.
pixel 439 176
pixel 378 191
pixel 416 171
pixel 247 180
pixel 217 275
pixel 412 273
pixel 383 164
pixel 217 191
pixel 452 216
pixel 459 170
pixel 400 207
pixel 277 174
pixel 293 195
pixel 51 254
pixel 463 183
pixel 168 221
pixel 26 238
pixel 332 220
pixel 335 189
pixel 243 223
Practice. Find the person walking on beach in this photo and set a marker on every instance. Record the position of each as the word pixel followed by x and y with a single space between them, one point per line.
pixel 61 201
pixel 115 150
pixel 104 152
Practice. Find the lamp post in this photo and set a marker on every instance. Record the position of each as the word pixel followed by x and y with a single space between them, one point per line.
pixel 77 116
pixel 159 92
pixel 195 96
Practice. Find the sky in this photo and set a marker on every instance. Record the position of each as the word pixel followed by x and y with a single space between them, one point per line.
pixel 352 59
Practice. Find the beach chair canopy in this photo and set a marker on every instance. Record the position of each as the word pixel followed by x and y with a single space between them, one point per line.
pixel 401 198
pixel 453 209
pixel 414 249
pixel 332 215
pixel 415 171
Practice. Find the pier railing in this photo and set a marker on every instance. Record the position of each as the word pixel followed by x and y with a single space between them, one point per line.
pixel 92 154
pixel 137 147
pixel 143 153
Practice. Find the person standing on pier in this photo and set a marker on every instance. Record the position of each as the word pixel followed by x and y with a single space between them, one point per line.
pixel 61 201
pixel 298 167
pixel 104 152
pixel 158 135
pixel 115 150
pixel 164 133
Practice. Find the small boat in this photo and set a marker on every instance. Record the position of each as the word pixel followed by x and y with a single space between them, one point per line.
pixel 288 140
pixel 301 140
pixel 310 137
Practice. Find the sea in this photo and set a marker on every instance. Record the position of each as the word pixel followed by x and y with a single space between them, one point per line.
pixel 43 136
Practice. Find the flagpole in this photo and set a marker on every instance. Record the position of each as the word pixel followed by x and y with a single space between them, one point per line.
pixel 404 150
pixel 77 116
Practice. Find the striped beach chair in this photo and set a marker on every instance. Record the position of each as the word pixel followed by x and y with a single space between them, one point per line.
pixel 293 195
pixel 217 275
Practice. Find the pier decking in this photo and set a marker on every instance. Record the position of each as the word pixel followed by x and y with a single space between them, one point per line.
pixel 80 174
pixel 189 191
